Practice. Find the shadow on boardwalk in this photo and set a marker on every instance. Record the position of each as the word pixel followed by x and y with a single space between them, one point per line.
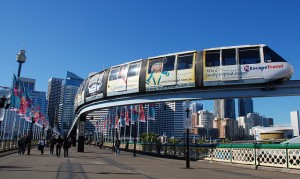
pixel 99 163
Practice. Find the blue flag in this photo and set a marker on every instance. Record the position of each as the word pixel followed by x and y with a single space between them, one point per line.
pixel 152 111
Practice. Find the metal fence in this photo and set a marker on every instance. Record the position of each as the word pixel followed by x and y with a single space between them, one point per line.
pixel 272 155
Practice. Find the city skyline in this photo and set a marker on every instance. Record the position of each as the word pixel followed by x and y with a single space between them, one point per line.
pixel 105 34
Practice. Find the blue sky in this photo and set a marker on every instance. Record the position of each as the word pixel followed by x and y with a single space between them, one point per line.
pixel 87 36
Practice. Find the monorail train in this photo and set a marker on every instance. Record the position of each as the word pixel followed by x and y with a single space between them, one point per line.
pixel 233 65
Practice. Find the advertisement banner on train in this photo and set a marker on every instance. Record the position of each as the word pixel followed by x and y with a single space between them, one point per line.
pixel 133 77
pixel 80 94
pixel 95 87
pixel 124 79
pixel 161 73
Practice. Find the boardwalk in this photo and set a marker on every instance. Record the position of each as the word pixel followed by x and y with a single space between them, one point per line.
pixel 98 163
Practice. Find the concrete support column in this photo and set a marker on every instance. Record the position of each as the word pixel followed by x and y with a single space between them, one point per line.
pixel 81 133
pixel 73 136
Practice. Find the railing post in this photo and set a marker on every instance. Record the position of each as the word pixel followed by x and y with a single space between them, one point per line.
pixel 212 152
pixel 255 159
pixel 231 153
pixel 287 155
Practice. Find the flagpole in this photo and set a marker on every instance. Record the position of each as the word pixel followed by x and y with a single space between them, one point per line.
pixel 125 125
pixel 5 119
pixel 13 127
pixel 148 124
pixel 107 126
pixel 130 123
pixel 138 132
pixel 19 129
pixel 23 127
pixel 110 128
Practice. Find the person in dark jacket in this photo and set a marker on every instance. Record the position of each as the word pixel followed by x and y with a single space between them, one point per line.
pixel 52 144
pixel 21 145
pixel 66 147
pixel 41 145
pixel 58 146
pixel 117 147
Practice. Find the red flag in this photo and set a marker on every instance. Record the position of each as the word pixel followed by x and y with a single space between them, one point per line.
pixel 117 119
pixel 142 114
pixel 127 118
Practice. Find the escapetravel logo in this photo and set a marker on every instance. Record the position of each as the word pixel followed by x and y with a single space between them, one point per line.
pixel 262 68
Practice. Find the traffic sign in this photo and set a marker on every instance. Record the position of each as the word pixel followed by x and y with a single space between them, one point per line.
pixel 187 123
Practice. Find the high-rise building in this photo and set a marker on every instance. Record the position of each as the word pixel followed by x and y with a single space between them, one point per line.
pixel 295 122
pixel 196 106
pixel 228 128
pixel 53 97
pixel 205 119
pixel 245 106
pixel 66 112
pixel 39 98
pixel 170 117
pixel 224 108
pixel 245 124
pixel 29 84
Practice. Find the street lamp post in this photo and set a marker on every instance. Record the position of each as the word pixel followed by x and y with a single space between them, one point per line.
pixel 186 106
pixel 21 58
pixel 30 135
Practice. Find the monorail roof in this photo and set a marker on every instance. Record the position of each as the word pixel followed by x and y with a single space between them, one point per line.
pixel 238 46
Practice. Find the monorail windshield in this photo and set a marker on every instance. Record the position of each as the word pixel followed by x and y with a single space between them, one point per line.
pixel 271 56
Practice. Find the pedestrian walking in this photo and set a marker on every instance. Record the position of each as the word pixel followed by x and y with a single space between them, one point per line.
pixel 21 145
pixel 66 147
pixel 58 146
pixel 41 145
pixel 52 144
pixel 117 147
pixel 158 147
pixel 25 139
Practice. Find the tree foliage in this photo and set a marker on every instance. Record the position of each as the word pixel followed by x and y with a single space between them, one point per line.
pixel 150 137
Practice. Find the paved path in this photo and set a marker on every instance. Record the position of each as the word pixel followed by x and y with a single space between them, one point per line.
pixel 98 163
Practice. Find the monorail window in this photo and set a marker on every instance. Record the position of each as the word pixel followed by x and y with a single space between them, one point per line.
pixel 271 56
pixel 161 64
pixel 123 72
pixel 228 57
pixel 185 61
pixel 169 65
pixel 133 69
pixel 212 58
pixel 114 74
pixel 249 56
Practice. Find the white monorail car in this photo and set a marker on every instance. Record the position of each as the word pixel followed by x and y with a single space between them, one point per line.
pixel 233 65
